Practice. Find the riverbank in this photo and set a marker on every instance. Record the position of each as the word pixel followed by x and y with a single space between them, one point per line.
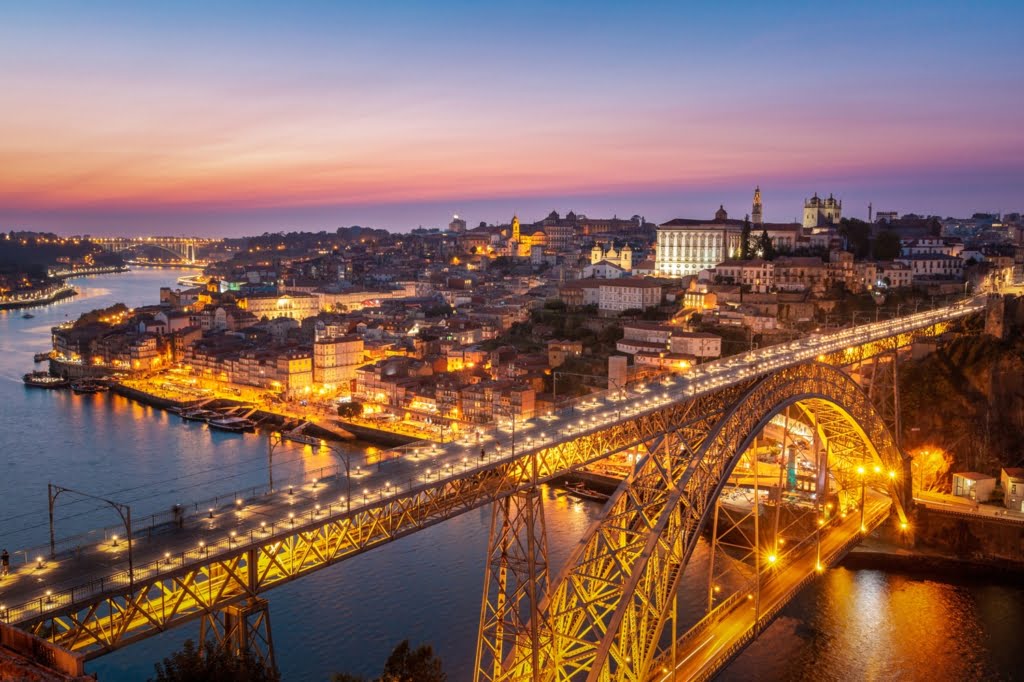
pixel 912 562
pixel 324 429
pixel 62 292
pixel 85 272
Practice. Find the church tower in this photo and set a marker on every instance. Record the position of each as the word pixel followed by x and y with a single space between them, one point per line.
pixel 515 229
pixel 596 254
pixel 626 258
pixel 756 216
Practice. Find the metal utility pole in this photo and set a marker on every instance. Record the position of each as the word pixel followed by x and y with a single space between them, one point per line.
pixel 271 446
pixel 123 510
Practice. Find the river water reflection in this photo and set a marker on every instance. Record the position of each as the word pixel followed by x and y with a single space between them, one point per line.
pixel 850 625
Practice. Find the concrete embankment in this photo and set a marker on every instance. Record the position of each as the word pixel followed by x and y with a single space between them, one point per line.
pixel 377 436
pixel 945 544
pixel 262 417
pixel 145 398
pixel 933 565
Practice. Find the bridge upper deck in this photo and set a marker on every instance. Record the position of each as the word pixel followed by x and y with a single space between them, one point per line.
pixel 321 523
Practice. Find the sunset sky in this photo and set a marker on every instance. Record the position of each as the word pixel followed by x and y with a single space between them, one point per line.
pixel 220 118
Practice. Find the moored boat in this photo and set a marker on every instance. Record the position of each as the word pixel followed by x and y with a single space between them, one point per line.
pixel 198 415
pixel 582 492
pixel 44 380
pixel 28 316
pixel 88 386
pixel 232 424
pixel 300 438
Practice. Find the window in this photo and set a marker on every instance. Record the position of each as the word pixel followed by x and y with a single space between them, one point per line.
pixel 1013 489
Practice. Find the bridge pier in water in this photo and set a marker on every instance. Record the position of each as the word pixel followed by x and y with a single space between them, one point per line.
pixel 512 634
pixel 242 628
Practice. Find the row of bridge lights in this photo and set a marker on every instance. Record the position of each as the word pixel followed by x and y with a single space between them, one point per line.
pixel 233 536
pixel 386 489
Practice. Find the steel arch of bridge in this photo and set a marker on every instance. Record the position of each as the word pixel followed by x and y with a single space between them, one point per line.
pixel 608 609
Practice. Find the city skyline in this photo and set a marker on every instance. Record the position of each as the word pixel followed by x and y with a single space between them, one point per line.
pixel 223 121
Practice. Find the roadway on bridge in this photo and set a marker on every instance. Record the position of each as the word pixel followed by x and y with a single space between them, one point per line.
pixel 100 567
pixel 704 650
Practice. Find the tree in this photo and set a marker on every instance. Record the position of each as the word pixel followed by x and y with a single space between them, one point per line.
pixel 929 467
pixel 210 662
pixel 745 239
pixel 765 246
pixel 405 664
pixel 857 234
pixel 887 245
pixel 352 409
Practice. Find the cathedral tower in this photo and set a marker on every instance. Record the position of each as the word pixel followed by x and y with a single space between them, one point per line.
pixel 756 216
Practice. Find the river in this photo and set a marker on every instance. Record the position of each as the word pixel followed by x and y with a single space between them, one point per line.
pixel 850 625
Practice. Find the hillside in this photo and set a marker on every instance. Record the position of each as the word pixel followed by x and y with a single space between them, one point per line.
pixel 967 398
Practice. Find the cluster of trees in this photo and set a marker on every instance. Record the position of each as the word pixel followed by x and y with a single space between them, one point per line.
pixel 857 233
pixel 210 662
pixel 760 246
pixel 405 664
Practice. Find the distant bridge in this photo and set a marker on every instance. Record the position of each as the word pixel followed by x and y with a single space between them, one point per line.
pixel 778 452
pixel 183 247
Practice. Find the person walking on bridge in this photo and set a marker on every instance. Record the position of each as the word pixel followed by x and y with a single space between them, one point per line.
pixel 5 562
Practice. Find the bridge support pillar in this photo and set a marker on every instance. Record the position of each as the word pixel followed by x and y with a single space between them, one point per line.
pixel 511 635
pixel 242 628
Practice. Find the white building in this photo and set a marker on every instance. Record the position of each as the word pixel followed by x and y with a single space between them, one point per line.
pixel 685 246
pixel 933 266
pixel 756 273
pixel 335 361
pixel 628 293
pixel 696 344
pixel 973 486
pixel 296 306
pixel 1012 481
pixel 894 275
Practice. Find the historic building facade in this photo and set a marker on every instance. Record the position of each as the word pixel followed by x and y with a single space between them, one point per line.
pixel 820 212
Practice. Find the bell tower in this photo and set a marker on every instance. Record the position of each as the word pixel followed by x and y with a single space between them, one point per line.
pixel 756 216
pixel 515 229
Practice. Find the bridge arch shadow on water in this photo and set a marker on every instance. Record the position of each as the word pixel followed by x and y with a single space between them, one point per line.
pixel 612 614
